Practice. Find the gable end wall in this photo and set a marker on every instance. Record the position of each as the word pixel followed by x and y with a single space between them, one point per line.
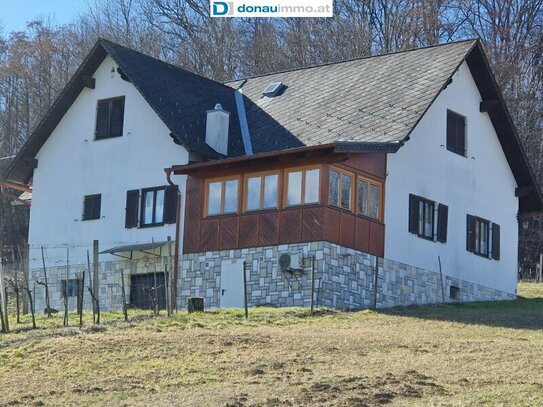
pixel 480 184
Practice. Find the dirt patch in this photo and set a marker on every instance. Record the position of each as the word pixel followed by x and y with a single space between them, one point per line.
pixel 371 391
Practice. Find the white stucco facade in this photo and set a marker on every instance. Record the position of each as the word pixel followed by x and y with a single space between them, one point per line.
pixel 71 164
pixel 480 184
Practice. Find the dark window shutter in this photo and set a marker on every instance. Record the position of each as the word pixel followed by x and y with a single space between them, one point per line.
pixel 451 133
pixel 170 204
pixel 442 223
pixel 413 214
pixel 132 203
pixel 102 119
pixel 117 117
pixel 461 134
pixel 456 133
pixel 495 241
pixel 91 207
pixel 86 209
pixel 470 234
pixel 97 204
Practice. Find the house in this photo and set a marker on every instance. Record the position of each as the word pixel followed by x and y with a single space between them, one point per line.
pixel 381 181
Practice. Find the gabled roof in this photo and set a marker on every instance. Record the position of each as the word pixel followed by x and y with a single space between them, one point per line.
pixel 378 99
pixel 179 97
pixel 374 102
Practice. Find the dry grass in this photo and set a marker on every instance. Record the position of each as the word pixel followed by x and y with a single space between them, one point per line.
pixel 476 354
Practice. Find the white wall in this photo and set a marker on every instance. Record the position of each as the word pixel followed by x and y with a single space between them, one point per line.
pixel 480 184
pixel 71 164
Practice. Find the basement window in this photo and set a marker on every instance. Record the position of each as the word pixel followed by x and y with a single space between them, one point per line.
pixel 454 292
pixel 70 287
pixel 92 206
pixel 109 118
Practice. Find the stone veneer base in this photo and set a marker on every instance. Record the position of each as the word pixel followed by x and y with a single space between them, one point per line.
pixel 344 279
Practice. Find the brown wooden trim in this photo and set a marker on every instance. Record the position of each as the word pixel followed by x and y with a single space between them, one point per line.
pixel 379 185
pixel 340 186
pixel 223 181
pixel 302 169
pixel 262 175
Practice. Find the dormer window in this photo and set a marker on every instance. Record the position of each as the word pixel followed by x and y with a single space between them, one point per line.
pixel 109 118
pixel 456 133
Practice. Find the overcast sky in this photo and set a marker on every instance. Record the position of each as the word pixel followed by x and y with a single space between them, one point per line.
pixel 14 14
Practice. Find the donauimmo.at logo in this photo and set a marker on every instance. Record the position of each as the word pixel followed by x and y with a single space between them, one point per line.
pixel 267 8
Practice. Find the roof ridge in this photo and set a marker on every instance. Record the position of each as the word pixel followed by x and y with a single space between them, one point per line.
pixel 170 65
pixel 474 40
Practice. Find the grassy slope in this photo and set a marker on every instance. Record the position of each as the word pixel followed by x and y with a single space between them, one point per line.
pixel 452 355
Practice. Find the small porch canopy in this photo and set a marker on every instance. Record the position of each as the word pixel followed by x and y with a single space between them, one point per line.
pixel 145 248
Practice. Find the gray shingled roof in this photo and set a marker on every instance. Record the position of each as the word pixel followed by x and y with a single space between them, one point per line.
pixel 368 104
pixel 374 99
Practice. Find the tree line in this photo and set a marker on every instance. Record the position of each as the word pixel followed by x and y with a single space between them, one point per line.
pixel 37 62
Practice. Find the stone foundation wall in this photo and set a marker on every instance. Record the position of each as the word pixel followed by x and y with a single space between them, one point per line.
pixel 109 285
pixel 344 279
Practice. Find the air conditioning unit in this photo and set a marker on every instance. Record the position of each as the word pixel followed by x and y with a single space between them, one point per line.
pixel 291 261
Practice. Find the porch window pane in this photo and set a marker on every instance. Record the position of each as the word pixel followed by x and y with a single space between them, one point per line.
pixel 346 191
pixel 270 191
pixel 312 186
pixel 362 197
pixel 374 201
pixel 294 192
pixel 214 198
pixel 253 193
pixel 334 187
pixel 231 196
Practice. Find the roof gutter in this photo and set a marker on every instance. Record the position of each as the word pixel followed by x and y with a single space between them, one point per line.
pixel 367 147
pixel 240 105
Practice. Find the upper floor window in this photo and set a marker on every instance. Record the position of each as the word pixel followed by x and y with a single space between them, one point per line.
pixel 91 206
pixel 222 196
pixel 483 237
pixel 341 186
pixel 158 206
pixel 369 198
pixel 109 118
pixel 456 133
pixel 261 191
pixel 422 219
pixel 303 186
pixel 152 206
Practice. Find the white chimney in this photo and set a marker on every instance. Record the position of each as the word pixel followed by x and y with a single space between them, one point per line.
pixel 217 129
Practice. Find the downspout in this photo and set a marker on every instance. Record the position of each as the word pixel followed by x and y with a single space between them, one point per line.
pixel 240 105
pixel 177 233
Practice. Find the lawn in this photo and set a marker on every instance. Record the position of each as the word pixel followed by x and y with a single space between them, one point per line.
pixel 452 355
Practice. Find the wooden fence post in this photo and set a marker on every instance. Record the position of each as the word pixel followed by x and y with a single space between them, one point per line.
pixel 95 268
pixel 123 292
pixel 4 299
pixel 23 265
pixel 312 285
pixel 46 284
pixel 245 289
